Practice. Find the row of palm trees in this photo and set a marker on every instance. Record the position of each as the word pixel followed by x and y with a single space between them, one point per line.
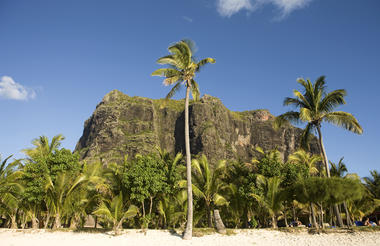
pixel 151 191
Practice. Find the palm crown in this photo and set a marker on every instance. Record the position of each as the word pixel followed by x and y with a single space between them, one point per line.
pixel 317 106
pixel 182 68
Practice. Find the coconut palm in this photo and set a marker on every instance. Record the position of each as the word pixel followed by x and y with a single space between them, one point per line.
pixel 171 208
pixel 270 196
pixel 181 71
pixel 10 188
pixel 208 185
pixel 317 106
pixel 42 146
pixel 9 178
pixel 115 211
pixel 59 191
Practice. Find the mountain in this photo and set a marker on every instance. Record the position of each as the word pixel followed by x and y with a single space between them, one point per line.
pixel 123 125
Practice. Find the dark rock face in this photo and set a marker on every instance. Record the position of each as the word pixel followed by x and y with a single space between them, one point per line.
pixel 123 125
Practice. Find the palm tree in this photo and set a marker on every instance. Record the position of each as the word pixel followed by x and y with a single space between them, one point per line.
pixel 317 106
pixel 208 185
pixel 307 159
pixel 42 146
pixel 338 170
pixel 61 190
pixel 373 183
pixel 10 188
pixel 310 161
pixel 116 211
pixel 271 196
pixel 181 70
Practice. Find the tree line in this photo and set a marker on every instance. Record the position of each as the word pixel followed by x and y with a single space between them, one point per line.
pixel 51 188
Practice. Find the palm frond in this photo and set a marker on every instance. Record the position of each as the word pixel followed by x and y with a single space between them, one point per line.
pixel 332 100
pixel 291 116
pixel 131 212
pixel 344 120
pixel 166 72
pixel 173 90
pixel 194 90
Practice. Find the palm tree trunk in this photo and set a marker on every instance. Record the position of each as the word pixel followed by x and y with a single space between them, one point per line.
pixel 219 222
pixel 322 224
pixel 286 219
pixel 13 222
pixel 189 225
pixel 315 224
pixel 57 222
pixel 326 162
pixel 209 216
pixel 294 212
pixel 347 215
pixel 35 221
pixel 274 221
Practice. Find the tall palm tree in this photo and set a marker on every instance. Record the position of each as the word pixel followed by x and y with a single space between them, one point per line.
pixel 208 185
pixel 181 71
pixel 316 106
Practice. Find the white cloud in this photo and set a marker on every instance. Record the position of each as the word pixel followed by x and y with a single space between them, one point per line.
pixel 229 7
pixel 9 89
pixel 188 19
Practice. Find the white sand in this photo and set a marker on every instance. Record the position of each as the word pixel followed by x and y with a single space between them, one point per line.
pixel 152 237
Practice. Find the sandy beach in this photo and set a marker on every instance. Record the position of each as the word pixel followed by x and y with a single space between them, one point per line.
pixel 159 237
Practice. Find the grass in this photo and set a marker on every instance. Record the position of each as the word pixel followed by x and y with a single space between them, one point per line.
pixel 176 105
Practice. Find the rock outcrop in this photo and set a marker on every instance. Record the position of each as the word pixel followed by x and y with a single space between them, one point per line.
pixel 123 125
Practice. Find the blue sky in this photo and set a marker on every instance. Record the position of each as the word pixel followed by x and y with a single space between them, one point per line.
pixel 59 58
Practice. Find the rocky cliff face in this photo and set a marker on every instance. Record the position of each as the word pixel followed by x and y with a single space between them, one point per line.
pixel 123 125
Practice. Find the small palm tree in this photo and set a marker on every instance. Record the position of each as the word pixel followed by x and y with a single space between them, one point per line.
pixel 115 211
pixel 307 159
pixel 61 190
pixel 181 70
pixel 317 106
pixel 208 185
pixel 271 196
pixel 42 146
pixel 338 170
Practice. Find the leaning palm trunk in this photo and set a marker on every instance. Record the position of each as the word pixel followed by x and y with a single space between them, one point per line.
pixel 219 222
pixel 347 215
pixel 274 221
pixel 189 225
pixel 47 221
pixel 314 221
pixel 325 160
